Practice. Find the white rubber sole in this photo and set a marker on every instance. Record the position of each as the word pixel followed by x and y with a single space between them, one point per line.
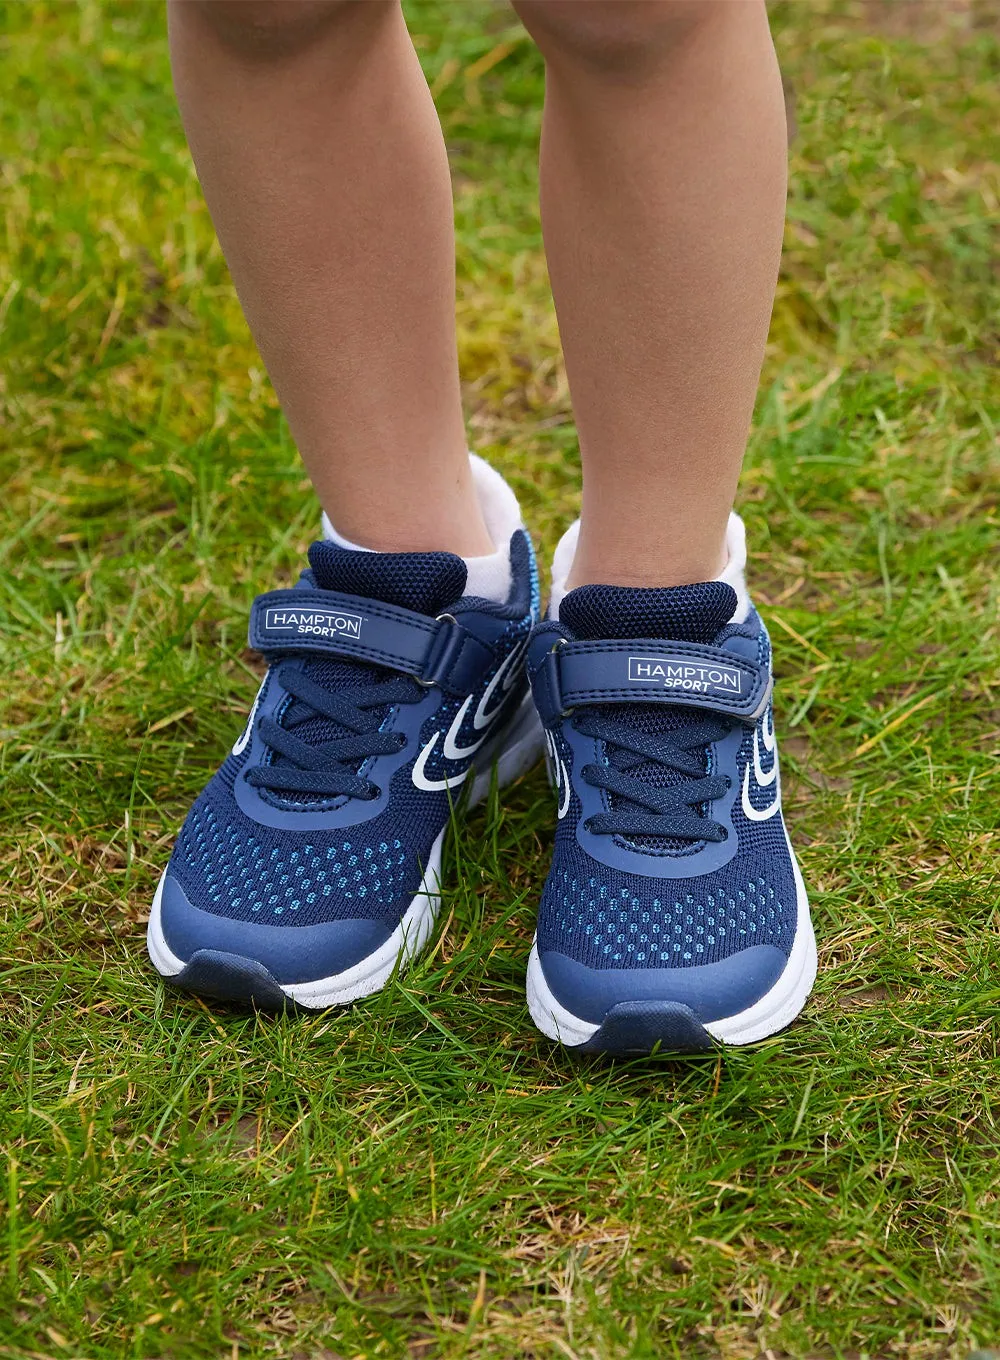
pixel 514 752
pixel 775 1009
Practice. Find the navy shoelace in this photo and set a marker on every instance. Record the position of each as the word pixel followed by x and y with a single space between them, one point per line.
pixel 644 809
pixel 330 768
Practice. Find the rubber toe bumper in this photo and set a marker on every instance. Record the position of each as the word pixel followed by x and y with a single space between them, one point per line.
pixel 226 977
pixel 646 1027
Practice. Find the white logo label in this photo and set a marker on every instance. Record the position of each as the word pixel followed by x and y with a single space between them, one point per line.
pixel 764 778
pixel 313 622
pixel 677 673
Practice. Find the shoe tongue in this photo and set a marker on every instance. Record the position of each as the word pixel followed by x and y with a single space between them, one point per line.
pixel 675 613
pixel 695 613
pixel 425 582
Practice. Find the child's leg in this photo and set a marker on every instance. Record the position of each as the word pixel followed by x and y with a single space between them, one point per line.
pixel 663 192
pixel 308 869
pixel 674 915
pixel 325 170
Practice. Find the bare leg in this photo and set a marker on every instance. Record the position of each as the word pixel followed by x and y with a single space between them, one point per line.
pixel 325 170
pixel 663 191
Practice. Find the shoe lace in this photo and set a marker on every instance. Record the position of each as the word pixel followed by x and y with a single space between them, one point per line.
pixel 330 768
pixel 644 809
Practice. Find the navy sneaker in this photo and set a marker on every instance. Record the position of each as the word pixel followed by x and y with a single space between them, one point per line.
pixel 674 914
pixel 308 869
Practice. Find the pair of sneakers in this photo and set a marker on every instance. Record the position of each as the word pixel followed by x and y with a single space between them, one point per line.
pixel 309 869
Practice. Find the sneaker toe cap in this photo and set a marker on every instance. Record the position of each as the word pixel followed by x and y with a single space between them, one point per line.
pixel 711 991
pixel 289 953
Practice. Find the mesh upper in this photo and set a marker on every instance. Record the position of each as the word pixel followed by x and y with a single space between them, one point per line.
pixel 609 918
pixel 233 866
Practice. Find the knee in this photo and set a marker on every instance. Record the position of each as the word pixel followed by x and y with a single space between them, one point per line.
pixel 616 37
pixel 270 29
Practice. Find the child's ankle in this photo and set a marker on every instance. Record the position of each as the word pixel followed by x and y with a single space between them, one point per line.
pixel 573 566
pixel 487 561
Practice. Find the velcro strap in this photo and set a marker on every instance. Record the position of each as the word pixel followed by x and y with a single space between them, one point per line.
pixel 682 673
pixel 327 623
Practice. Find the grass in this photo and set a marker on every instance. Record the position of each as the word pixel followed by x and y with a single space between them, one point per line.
pixel 423 1174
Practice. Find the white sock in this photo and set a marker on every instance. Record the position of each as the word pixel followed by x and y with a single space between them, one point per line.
pixel 562 563
pixel 489 576
pixel 734 572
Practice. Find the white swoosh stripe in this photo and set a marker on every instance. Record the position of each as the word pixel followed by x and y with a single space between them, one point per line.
pixel 550 746
pixel 506 676
pixel 243 740
pixel 764 778
pixel 481 720
pixel 767 733
pixel 564 791
pixel 434 785
pixel 451 747
pixel 758 814
pixel 559 776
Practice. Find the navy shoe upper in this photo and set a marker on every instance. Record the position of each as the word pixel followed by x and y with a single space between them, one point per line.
pixel 384 680
pixel 672 878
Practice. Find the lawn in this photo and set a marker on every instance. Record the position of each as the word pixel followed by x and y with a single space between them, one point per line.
pixel 424 1175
